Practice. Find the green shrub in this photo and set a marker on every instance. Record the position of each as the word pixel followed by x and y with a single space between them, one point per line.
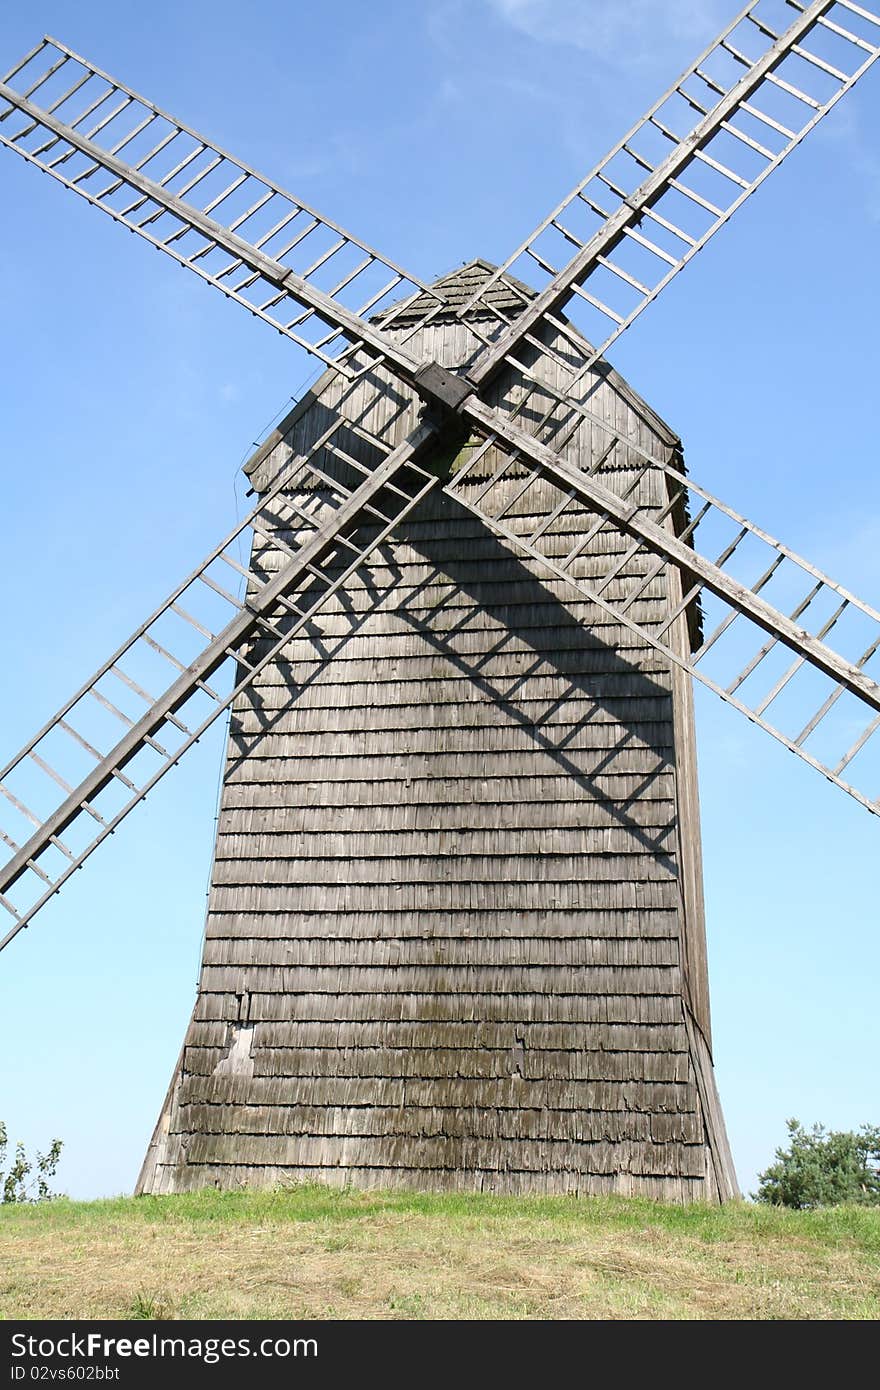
pixel 824 1168
pixel 21 1183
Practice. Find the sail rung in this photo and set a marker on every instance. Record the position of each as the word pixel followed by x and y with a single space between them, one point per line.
pixel 591 204
pixel 349 276
pixel 843 33
pixel 218 589
pixel 60 62
pixel 236 656
pixel 60 845
pixel 127 139
pixel 817 62
pixel 744 139
pixel 762 26
pixel 710 82
pixel 91 811
pixel 324 257
pixel 542 261
pixel 721 169
pixel 22 63
pixel 692 101
pixel 46 145
pixel 768 120
pixel 735 53
pixel 860 11
pixel 83 742
pixel 773 642
pixel 650 246
pixel 202 174
pixel 156 150
pixel 47 768
pixel 265 624
pixel 519 492
pixel 40 872
pixel 598 304
pixel 378 296
pixel 144 695
pixel 182 164
pixel 193 621
pixel 671 136
pixel 697 198
pixel 672 227
pixel 776 690
pixel 794 91
pixel 230 188
pixel 567 233
pixel 11 909
pixel 107 118
pixel 583 541
pixel 639 158
pixel 857 747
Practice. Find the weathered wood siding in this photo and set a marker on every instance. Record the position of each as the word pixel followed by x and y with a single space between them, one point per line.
pixel 455 933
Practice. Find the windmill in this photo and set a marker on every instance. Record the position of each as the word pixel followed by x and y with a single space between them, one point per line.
pixel 455 933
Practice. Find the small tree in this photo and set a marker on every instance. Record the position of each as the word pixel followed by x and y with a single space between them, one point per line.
pixel 21 1183
pixel 824 1168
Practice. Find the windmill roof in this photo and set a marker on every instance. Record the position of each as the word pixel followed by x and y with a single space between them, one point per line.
pixel 508 295
pixel 457 287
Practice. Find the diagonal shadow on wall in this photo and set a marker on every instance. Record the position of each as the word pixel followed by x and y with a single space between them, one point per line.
pixel 561 645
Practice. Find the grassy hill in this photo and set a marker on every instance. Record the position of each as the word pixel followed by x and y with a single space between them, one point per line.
pixel 315 1252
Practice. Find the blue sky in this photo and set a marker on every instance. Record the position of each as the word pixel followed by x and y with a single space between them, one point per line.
pixel 130 393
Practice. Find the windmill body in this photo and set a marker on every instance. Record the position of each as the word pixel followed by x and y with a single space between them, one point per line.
pixel 455 932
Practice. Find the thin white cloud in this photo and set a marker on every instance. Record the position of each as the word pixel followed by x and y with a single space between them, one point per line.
pixel 845 130
pixel 621 34
pixel 635 35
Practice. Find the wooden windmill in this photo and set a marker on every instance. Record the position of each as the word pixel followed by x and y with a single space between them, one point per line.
pixel 455 933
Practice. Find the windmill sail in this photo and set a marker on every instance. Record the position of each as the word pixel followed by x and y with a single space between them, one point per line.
pixel 770 617
pixel 684 169
pixel 240 231
pixel 104 751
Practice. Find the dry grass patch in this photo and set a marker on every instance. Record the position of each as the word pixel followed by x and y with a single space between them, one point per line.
pixel 318 1253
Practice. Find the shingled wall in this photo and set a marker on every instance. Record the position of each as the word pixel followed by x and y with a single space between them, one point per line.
pixel 455 934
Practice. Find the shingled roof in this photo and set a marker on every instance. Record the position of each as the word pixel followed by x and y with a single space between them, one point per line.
pixel 508 295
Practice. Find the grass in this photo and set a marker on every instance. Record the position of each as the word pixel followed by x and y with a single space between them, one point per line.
pixel 315 1252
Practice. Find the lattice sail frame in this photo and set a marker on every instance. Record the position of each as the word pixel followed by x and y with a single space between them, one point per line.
pixel 325 272
pixel 627 229
pixel 213 213
pixel 767 612
pixel 77 778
